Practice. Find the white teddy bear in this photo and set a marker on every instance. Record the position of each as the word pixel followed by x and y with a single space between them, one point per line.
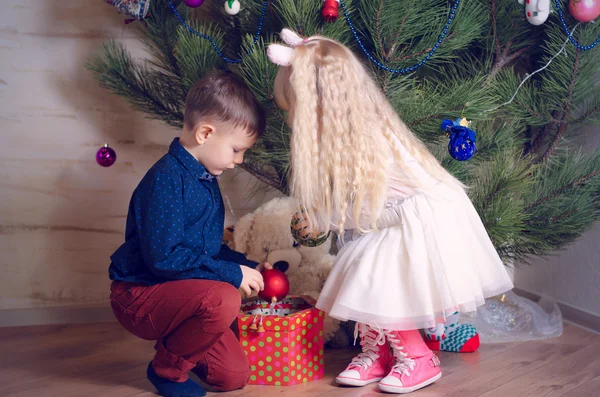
pixel 264 235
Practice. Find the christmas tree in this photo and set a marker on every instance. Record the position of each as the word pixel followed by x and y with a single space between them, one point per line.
pixel 533 192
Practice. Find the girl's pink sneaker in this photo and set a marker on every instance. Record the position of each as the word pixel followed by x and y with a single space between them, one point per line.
pixel 414 365
pixel 372 364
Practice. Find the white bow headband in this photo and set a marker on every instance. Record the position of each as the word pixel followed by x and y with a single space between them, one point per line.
pixel 282 55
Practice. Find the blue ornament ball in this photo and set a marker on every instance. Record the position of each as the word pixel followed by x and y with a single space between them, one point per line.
pixel 461 148
pixel 462 140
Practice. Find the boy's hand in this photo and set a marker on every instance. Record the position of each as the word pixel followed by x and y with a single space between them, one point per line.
pixel 252 282
pixel 263 266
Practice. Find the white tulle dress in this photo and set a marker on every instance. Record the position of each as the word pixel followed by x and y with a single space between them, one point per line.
pixel 430 257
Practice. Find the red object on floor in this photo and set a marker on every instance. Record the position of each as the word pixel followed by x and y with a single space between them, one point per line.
pixel 470 345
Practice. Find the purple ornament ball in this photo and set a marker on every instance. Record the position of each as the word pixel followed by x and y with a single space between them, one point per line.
pixel 106 156
pixel 193 3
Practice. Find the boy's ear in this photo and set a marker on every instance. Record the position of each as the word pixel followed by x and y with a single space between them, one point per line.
pixel 242 233
pixel 202 132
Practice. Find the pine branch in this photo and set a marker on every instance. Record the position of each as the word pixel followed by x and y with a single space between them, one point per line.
pixel 492 195
pixel 195 56
pixel 421 53
pixel 531 111
pixel 538 114
pixel 493 16
pixel 537 141
pixel 161 35
pixel 149 91
pixel 586 115
pixel 378 30
pixel 504 59
pixel 387 55
pixel 562 217
pixel 557 137
pixel 564 189
pixel 555 219
pixel 567 110
pixel 396 37
pixel 433 116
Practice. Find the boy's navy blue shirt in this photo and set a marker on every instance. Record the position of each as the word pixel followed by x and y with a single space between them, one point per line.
pixel 175 227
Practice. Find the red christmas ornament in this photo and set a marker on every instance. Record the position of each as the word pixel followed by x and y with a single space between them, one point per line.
pixel 277 285
pixel 585 10
pixel 330 10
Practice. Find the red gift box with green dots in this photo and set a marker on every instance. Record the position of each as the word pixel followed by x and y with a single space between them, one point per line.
pixel 285 345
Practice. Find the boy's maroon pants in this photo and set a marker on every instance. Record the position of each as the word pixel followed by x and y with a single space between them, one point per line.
pixel 191 321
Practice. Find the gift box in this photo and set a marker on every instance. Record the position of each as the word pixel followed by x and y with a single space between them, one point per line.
pixel 285 345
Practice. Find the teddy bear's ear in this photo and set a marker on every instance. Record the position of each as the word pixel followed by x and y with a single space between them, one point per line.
pixel 241 235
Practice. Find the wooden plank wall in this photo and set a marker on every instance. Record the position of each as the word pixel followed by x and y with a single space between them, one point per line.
pixel 62 215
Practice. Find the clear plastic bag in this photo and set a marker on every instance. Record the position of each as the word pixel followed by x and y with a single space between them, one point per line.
pixel 511 318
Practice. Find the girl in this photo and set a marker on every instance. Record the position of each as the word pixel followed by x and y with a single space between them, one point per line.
pixel 416 251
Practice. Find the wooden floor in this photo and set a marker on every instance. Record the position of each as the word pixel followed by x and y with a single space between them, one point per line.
pixel 103 360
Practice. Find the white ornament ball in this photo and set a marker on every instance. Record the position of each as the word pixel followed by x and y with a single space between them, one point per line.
pixel 234 9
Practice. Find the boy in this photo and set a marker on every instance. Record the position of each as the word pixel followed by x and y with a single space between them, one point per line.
pixel 173 281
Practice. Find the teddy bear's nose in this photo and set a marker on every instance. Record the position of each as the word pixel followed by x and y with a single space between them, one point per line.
pixel 281 266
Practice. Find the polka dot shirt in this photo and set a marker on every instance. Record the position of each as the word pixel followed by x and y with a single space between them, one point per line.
pixel 175 227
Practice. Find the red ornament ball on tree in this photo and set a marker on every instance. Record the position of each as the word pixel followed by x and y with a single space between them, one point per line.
pixel 330 10
pixel 585 10
pixel 277 285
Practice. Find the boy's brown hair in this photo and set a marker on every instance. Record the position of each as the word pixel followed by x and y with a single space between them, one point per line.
pixel 224 96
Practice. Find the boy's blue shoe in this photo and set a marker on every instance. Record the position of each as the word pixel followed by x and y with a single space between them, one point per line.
pixel 168 388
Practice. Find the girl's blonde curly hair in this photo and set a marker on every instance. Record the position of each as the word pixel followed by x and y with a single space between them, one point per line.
pixel 344 134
